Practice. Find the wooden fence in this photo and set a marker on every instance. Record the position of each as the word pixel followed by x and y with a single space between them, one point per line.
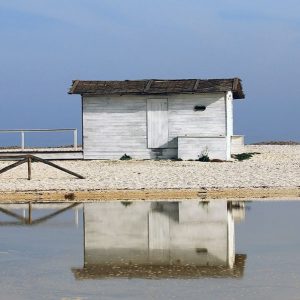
pixel 22 133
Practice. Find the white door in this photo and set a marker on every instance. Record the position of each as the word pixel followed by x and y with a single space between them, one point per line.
pixel 157 123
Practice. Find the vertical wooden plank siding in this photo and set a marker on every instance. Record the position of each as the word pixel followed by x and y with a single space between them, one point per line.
pixel 157 123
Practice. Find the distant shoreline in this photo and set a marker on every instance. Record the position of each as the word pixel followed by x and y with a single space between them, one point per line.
pixel 276 143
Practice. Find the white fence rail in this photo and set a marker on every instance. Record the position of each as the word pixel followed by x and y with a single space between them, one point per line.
pixel 23 131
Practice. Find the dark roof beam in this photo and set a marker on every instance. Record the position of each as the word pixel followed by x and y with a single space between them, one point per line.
pixel 196 85
pixel 147 88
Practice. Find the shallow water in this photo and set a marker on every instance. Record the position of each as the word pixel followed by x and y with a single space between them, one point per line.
pixel 151 250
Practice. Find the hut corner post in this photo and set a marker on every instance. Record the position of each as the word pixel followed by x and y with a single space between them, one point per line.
pixel 229 122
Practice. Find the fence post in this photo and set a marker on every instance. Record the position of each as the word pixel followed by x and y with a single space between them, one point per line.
pixel 75 139
pixel 29 167
pixel 22 140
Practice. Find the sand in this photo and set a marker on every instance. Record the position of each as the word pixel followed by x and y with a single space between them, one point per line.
pixel 275 167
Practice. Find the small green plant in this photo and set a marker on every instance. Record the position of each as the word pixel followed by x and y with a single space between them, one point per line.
pixel 244 156
pixel 204 158
pixel 125 157
pixel 204 155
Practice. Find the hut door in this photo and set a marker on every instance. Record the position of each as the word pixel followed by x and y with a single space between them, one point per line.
pixel 157 123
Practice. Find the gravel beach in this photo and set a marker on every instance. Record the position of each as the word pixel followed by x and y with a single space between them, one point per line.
pixel 275 167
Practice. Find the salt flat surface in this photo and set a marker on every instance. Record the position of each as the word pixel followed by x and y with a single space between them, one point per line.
pixel 275 166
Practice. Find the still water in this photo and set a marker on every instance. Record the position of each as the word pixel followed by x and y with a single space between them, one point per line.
pixel 150 250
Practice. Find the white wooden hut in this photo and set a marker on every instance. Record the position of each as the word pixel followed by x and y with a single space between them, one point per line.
pixel 158 118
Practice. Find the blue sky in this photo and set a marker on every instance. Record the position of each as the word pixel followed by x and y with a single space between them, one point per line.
pixel 46 44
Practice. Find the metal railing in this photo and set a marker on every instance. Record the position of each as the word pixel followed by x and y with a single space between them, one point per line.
pixel 23 131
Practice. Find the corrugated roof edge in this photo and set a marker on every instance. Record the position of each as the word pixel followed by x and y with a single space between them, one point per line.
pixel 144 87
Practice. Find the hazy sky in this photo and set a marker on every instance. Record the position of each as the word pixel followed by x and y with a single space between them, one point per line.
pixel 46 44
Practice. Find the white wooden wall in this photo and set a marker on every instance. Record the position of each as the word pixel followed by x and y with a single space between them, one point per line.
pixel 193 147
pixel 113 126
pixel 237 144
pixel 184 121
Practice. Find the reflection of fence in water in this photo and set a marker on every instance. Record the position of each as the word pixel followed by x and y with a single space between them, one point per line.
pixel 26 217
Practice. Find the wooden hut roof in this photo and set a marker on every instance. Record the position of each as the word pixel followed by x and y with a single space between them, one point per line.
pixel 158 86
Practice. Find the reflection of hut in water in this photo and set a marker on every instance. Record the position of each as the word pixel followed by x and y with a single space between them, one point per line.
pixel 160 240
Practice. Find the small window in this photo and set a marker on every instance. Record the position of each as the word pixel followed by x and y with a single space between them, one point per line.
pixel 199 108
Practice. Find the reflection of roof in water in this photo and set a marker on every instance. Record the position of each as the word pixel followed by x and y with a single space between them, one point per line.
pixel 161 271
